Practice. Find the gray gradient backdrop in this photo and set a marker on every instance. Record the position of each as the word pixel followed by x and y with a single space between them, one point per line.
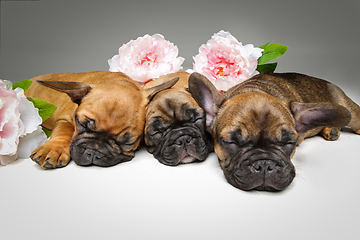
pixel 143 199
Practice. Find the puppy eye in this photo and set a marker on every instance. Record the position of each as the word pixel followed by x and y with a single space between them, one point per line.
pixel 157 125
pixel 285 143
pixel 289 146
pixel 157 130
pixel 200 122
pixel 126 138
pixel 153 134
pixel 287 137
pixel 227 141
pixel 90 124
pixel 290 142
pixel 191 114
pixel 129 144
pixel 200 119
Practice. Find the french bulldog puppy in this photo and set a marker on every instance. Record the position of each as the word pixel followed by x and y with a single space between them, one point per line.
pixel 175 130
pixel 99 120
pixel 257 124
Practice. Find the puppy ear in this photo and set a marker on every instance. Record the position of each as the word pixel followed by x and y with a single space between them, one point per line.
pixel 75 90
pixel 206 95
pixel 311 115
pixel 151 92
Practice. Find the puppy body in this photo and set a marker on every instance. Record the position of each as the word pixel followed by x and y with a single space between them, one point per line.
pixel 101 123
pixel 293 88
pixel 257 124
pixel 175 130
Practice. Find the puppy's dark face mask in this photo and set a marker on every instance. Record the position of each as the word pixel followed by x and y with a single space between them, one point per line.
pixel 92 147
pixel 175 130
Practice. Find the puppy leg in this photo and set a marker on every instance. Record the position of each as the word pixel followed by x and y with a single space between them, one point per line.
pixel 355 116
pixel 353 108
pixel 55 153
pixel 330 133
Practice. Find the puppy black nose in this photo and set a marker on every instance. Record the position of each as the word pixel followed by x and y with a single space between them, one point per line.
pixel 263 166
pixel 92 155
pixel 183 140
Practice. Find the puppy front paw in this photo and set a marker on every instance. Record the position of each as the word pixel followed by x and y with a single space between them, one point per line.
pixel 51 155
pixel 330 133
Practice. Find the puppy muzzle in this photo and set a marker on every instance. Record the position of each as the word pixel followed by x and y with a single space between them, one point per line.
pixel 261 170
pixel 98 151
pixel 183 145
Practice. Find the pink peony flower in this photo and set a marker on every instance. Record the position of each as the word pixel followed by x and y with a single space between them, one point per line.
pixel 19 125
pixel 146 58
pixel 225 61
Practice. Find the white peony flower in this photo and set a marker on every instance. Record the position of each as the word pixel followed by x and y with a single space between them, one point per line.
pixel 19 125
pixel 146 58
pixel 225 61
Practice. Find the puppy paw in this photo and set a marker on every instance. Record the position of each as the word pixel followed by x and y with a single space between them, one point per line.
pixel 51 155
pixel 330 134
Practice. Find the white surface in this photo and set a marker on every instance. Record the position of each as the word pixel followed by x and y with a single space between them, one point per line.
pixel 143 199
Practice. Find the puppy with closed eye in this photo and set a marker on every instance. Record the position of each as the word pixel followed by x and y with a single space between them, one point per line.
pixel 175 130
pixel 257 124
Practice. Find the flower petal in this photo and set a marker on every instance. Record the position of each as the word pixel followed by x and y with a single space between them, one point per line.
pixel 9 135
pixel 9 103
pixel 6 159
pixel 30 141
pixel 114 63
pixel 29 116
pixel 253 52
pixel 5 84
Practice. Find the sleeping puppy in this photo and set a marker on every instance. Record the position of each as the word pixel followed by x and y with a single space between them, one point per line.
pixel 99 119
pixel 175 130
pixel 257 124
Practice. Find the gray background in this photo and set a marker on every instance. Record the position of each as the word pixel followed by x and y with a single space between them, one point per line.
pixel 143 199
pixel 48 36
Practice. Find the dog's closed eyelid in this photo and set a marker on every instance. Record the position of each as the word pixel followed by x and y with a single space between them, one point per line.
pixel 124 137
pixel 193 115
pixel 287 137
pixel 90 124
pixel 154 133
pixel 158 125
pixel 201 118
pixel 157 129
pixel 130 141
pixel 228 141
pixel 87 124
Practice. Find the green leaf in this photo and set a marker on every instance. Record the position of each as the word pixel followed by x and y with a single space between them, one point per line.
pixel 45 108
pixel 271 52
pixel 269 67
pixel 47 132
pixel 24 84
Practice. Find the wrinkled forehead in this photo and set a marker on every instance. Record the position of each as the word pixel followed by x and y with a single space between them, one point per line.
pixel 254 111
pixel 112 100
pixel 174 104
pixel 112 110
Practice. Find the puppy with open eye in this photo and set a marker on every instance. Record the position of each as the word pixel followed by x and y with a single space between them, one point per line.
pixel 175 130
pixel 99 120
pixel 257 124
